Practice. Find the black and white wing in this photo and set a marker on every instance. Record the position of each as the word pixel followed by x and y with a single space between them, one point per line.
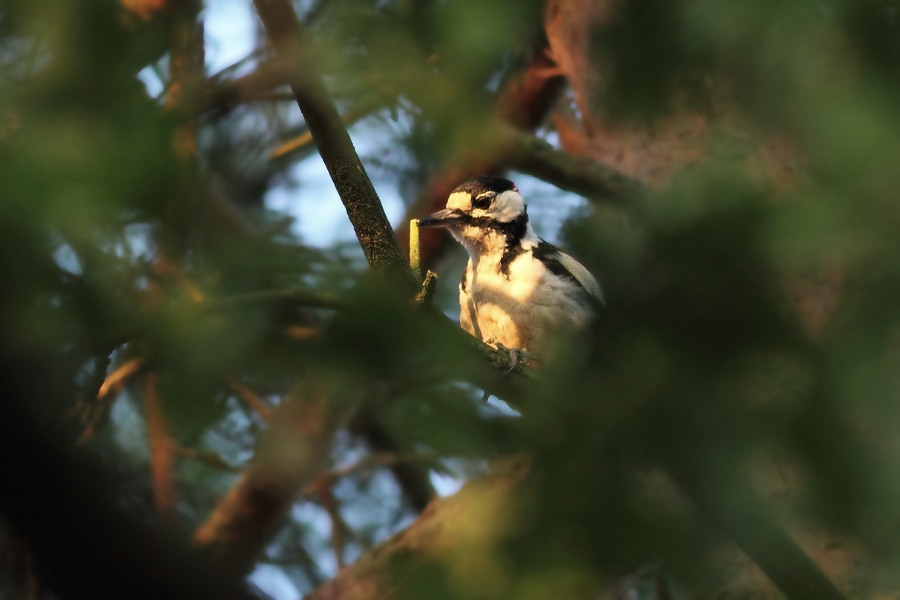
pixel 561 264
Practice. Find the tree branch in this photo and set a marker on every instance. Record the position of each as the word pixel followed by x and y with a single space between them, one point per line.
pixel 161 449
pixel 335 146
pixel 586 177
pixel 289 456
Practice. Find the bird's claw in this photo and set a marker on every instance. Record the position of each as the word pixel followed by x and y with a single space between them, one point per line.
pixel 517 356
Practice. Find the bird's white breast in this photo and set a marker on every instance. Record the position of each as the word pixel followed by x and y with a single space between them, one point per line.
pixel 518 311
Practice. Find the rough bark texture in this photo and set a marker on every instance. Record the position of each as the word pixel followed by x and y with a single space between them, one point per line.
pixel 347 172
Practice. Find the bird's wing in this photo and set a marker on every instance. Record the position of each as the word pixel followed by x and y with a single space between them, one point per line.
pixel 560 263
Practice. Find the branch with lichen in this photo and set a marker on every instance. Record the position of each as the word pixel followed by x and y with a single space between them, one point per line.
pixel 374 232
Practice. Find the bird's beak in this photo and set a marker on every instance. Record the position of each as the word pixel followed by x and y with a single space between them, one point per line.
pixel 441 218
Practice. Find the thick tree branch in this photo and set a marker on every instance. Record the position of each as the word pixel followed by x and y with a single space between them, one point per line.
pixel 335 146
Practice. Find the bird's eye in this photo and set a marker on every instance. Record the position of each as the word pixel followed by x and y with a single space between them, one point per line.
pixel 482 202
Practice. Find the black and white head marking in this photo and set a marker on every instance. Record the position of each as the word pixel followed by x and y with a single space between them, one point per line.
pixel 488 216
pixel 516 288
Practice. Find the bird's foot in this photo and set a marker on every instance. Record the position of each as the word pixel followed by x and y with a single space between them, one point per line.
pixel 517 356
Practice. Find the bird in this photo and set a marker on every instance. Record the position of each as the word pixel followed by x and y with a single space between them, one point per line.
pixel 517 289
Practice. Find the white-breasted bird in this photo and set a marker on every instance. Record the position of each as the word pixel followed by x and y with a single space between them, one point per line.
pixel 516 288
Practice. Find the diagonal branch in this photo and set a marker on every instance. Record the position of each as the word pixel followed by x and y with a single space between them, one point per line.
pixel 335 146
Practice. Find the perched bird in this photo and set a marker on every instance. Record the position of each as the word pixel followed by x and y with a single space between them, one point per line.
pixel 516 288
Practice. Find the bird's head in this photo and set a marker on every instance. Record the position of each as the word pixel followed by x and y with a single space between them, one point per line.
pixel 482 210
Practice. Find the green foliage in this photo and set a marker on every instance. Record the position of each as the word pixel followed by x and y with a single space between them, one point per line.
pixel 751 327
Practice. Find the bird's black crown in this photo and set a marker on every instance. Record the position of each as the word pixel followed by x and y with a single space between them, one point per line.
pixel 485 183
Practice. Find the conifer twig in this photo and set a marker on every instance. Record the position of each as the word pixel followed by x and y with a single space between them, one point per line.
pixel 119 376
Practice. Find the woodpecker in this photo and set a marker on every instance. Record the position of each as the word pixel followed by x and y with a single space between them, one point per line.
pixel 516 288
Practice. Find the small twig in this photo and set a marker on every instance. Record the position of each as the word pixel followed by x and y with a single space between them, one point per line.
pixel 429 287
pixel 429 284
pixel 227 71
pixel 91 410
pixel 98 378
pixel 118 377
pixel 250 398
pixel 161 448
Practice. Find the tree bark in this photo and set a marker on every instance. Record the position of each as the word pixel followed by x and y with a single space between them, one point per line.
pixel 363 206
